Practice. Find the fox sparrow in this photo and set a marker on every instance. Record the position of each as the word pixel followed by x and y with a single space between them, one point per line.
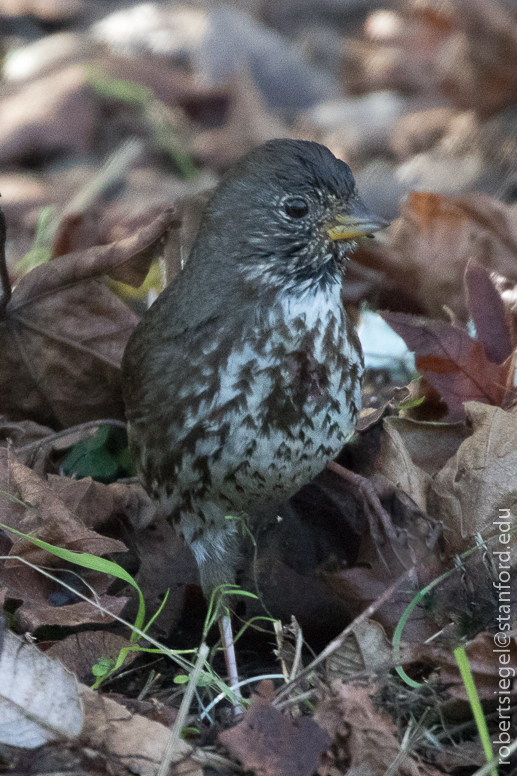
pixel 244 377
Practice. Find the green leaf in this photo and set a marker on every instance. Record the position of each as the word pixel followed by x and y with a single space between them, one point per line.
pixel 103 666
pixel 190 731
pixel 103 456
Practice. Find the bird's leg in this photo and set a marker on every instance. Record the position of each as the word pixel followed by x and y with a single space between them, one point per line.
pixel 225 626
pixel 217 557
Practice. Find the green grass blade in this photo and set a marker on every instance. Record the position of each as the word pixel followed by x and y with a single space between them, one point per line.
pixel 94 563
pixel 468 680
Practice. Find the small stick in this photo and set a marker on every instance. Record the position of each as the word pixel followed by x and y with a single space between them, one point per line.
pixel 68 432
pixel 175 736
pixel 335 645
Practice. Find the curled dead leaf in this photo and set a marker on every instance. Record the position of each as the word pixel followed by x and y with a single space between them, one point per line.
pixel 64 332
pixel 479 480
pixel 425 252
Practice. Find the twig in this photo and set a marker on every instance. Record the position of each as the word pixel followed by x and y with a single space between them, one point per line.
pixel 174 738
pixel 495 762
pixel 304 696
pixel 5 283
pixel 336 644
pixel 68 432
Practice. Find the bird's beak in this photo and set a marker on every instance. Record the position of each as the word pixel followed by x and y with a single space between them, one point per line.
pixel 358 222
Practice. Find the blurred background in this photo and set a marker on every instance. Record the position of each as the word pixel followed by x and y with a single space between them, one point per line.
pixel 110 111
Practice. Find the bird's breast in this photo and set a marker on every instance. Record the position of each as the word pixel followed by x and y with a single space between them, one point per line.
pixel 258 410
pixel 287 399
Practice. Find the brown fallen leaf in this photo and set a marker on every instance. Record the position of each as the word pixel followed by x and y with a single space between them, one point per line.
pixel 91 502
pixel 152 709
pixel 366 648
pixel 272 744
pixel 461 49
pixel 30 505
pixel 490 318
pixel 429 446
pixel 361 585
pixel 36 119
pixel 129 739
pixel 480 480
pixel 425 252
pixel 476 64
pixel 51 11
pixel 80 651
pixel 36 594
pixel 165 568
pixel 484 664
pixel 418 131
pixel 65 332
pixel 362 737
pixel 21 432
pixel 395 463
pixel 249 123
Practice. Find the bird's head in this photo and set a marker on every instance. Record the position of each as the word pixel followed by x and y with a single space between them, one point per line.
pixel 287 214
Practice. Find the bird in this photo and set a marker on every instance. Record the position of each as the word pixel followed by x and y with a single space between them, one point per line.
pixel 243 378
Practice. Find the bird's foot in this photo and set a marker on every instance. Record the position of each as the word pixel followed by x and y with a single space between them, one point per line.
pixel 378 518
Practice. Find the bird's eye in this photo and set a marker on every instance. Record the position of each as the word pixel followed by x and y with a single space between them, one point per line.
pixel 296 207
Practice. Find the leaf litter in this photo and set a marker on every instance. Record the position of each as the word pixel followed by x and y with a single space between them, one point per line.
pixel 442 463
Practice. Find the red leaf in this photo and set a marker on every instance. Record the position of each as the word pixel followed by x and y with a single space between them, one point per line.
pixel 487 311
pixel 451 361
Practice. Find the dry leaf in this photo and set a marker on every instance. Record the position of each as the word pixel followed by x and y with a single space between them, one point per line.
pixel 477 63
pixel 480 480
pixel 65 332
pixel 425 252
pixel 21 432
pixel 396 464
pixel 39 699
pixel 80 651
pixel 44 514
pixel 452 362
pixel 166 567
pixel 36 120
pixel 93 503
pixel 484 664
pixel 361 736
pixel 367 648
pixel 249 123
pixel 463 49
pixel 272 744
pixel 136 742
pixel 36 509
pixel 489 316
pixel 50 11
pixel 429 445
